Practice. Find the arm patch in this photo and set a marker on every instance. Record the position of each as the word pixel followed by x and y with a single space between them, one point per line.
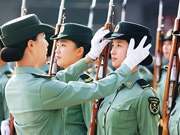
pixel 154 105
pixel 86 78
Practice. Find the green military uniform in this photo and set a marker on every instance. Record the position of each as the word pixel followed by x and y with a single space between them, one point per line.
pixel 78 117
pixel 145 74
pixel 40 112
pixel 129 110
pixel 174 120
pixel 5 74
pixel 92 70
pixel 44 68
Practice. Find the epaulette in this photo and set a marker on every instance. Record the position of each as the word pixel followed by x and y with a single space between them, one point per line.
pixel 143 83
pixel 8 74
pixel 143 71
pixel 86 78
pixel 41 76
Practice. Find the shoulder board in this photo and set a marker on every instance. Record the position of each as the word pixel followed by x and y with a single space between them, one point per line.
pixel 41 76
pixel 8 74
pixel 143 71
pixel 143 83
pixel 86 78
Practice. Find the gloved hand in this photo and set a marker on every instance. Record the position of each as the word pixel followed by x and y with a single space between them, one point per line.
pixel 5 127
pixel 96 45
pixel 135 56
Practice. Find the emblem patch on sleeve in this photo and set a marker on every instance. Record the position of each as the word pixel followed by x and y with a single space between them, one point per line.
pixel 154 105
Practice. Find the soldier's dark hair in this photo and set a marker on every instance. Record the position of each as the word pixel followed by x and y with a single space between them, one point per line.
pixel 15 53
pixel 85 46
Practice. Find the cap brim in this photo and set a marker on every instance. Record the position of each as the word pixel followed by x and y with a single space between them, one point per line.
pixel 111 35
pixel 58 36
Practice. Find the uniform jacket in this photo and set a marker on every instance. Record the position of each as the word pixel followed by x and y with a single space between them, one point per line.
pixel 78 117
pixel 36 101
pixel 129 110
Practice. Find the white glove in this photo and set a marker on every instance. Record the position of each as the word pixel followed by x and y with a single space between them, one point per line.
pixel 96 45
pixel 135 56
pixel 5 127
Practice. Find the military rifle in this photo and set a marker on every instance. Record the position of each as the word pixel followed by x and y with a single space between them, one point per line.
pixel 171 91
pixel 91 14
pixel 158 49
pixel 23 8
pixel 102 63
pixel 123 12
pixel 53 68
pixel 23 13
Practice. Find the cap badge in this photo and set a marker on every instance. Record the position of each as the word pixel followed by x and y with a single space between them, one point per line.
pixel 62 29
pixel 169 33
pixel 117 28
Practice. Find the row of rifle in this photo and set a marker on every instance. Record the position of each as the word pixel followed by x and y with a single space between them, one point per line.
pixel 171 86
pixel 173 67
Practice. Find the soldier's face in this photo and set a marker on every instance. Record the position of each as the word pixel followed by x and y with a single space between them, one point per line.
pixel 118 52
pixel 167 48
pixel 66 53
pixel 39 48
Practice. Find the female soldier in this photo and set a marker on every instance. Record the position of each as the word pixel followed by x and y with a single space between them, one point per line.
pixel 133 108
pixel 71 47
pixel 174 120
pixel 166 49
pixel 34 99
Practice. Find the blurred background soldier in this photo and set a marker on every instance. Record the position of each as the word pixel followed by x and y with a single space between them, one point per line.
pixel 5 74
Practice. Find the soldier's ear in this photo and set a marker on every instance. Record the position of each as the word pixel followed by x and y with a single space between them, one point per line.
pixel 30 44
pixel 80 51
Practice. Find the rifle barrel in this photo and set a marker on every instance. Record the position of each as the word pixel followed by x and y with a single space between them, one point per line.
pixel 91 14
pixel 123 12
pixel 23 8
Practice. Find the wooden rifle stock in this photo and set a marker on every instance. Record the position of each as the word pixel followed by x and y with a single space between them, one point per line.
pixel 170 92
pixel 12 130
pixel 158 50
pixel 23 13
pixel 103 61
pixel 53 68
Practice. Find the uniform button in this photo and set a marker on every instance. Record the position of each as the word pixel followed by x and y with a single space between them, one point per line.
pixel 118 107
pixel 0 73
pixel 104 113
pixel 102 126
pixel 109 102
pixel 176 121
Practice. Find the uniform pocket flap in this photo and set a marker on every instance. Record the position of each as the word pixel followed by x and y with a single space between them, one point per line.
pixel 121 107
